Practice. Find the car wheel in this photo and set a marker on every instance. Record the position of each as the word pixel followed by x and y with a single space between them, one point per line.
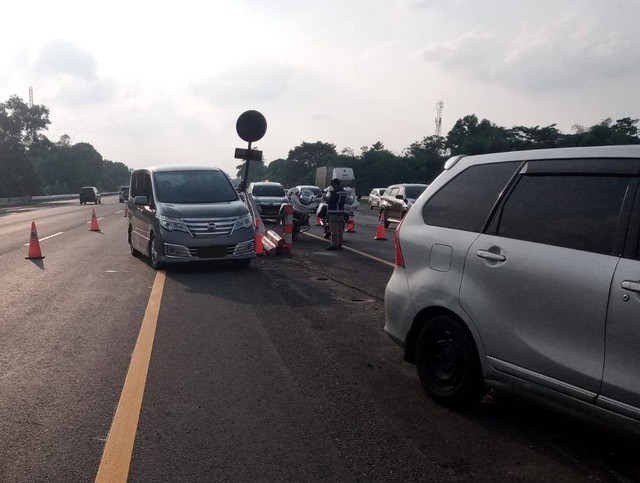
pixel 154 253
pixel 448 364
pixel 242 263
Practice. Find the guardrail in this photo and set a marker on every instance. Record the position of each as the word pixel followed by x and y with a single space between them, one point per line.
pixel 30 200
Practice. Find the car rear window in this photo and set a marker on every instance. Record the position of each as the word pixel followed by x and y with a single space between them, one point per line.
pixel 466 201
pixel 267 190
pixel 414 192
pixel 86 191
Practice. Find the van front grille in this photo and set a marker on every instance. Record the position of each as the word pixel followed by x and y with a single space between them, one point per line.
pixel 210 227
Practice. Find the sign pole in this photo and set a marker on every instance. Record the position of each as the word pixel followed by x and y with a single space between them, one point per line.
pixel 245 181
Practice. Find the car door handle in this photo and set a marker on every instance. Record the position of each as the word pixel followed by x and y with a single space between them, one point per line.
pixel 631 286
pixel 494 257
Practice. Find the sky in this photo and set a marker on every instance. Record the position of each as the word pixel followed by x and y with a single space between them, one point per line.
pixel 156 83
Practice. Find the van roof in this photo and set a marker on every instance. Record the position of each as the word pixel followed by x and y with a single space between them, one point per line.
pixel 181 167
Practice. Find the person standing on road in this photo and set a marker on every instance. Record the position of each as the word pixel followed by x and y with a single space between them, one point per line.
pixel 336 197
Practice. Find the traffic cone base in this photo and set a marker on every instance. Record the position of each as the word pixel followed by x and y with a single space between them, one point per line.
pixel 381 233
pixel 350 226
pixel 34 245
pixel 94 222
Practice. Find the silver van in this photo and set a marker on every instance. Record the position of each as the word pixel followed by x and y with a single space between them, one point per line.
pixel 188 213
pixel 521 271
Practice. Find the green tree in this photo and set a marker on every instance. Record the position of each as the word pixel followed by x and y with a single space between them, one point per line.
pixel 470 136
pixel 312 155
pixel 20 125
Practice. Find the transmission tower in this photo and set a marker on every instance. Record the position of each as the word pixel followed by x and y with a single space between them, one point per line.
pixel 30 96
pixel 439 107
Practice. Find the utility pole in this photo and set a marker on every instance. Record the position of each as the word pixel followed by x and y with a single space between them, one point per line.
pixel 30 96
pixel 439 108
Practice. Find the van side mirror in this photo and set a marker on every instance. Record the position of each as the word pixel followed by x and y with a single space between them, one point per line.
pixel 140 200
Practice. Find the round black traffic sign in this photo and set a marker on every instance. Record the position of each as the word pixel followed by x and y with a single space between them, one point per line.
pixel 251 126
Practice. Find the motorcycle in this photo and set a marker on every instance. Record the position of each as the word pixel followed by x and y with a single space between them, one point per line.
pixel 350 206
pixel 304 203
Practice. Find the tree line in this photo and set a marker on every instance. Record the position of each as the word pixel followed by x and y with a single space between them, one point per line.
pixel 31 164
pixel 375 166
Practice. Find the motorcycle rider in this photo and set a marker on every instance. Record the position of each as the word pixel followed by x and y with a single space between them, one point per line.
pixel 336 197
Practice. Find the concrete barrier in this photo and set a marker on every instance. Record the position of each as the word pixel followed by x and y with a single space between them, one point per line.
pixel 30 200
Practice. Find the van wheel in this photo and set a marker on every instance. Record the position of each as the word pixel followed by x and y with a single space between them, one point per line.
pixel 448 364
pixel 154 253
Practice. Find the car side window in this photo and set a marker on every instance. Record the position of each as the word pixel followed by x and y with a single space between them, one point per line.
pixel 571 210
pixel 466 201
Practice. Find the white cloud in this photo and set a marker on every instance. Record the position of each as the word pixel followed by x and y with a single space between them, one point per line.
pixel 59 57
pixel 560 55
pixel 246 83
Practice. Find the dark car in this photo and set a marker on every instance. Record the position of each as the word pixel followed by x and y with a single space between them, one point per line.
pixel 124 194
pixel 397 200
pixel 89 194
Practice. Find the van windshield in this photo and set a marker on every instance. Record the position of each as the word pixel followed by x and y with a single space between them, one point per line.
pixel 193 186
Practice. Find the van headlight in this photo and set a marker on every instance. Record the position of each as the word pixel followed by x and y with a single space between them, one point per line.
pixel 173 224
pixel 245 221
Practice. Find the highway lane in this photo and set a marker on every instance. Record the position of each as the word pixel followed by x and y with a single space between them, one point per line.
pixel 277 372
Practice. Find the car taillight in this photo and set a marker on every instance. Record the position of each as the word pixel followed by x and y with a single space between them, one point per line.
pixel 399 257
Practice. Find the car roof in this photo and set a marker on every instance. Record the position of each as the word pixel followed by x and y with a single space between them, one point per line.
pixel 260 183
pixel 602 152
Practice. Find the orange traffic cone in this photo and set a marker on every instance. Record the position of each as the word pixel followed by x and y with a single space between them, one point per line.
pixel 381 233
pixel 259 245
pixel 94 222
pixel 34 245
pixel 350 227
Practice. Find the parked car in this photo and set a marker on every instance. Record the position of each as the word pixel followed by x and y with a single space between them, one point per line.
pixel 397 201
pixel 124 194
pixel 374 197
pixel 188 213
pixel 269 196
pixel 90 194
pixel 520 271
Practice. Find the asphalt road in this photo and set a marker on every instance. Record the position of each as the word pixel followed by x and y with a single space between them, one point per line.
pixel 277 372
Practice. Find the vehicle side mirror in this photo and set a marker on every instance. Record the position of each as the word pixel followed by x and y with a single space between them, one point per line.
pixel 140 200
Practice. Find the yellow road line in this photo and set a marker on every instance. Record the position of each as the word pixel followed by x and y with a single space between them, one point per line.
pixel 372 257
pixel 116 458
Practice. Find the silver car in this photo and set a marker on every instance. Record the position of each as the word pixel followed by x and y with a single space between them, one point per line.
pixel 186 214
pixel 521 271
pixel 374 197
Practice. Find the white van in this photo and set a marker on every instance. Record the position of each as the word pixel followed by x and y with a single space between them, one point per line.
pixel 188 213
